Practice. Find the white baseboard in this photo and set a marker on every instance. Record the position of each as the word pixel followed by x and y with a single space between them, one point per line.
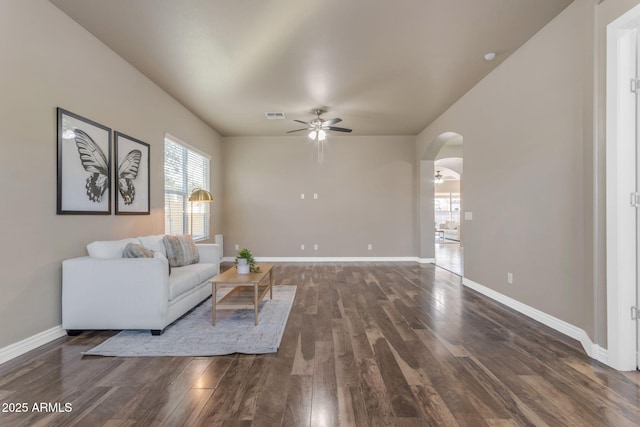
pixel 593 350
pixel 21 347
pixel 338 259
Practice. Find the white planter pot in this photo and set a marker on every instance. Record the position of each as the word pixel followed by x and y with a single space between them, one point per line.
pixel 243 266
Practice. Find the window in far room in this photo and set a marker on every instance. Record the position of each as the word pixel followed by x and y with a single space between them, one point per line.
pixel 185 169
pixel 447 208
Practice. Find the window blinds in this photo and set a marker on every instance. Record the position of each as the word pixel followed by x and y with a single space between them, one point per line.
pixel 184 171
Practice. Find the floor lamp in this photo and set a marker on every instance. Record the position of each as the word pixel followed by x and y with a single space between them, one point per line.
pixel 199 195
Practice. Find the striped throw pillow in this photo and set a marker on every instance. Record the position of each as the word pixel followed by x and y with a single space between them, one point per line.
pixel 181 250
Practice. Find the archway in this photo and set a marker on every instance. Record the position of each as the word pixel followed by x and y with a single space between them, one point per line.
pixel 448 211
pixel 426 193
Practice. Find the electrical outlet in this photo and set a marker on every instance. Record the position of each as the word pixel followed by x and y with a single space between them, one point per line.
pixel 315 247
pixel 315 196
pixel 510 278
pixel 370 247
pixel 237 247
pixel 302 247
pixel 302 196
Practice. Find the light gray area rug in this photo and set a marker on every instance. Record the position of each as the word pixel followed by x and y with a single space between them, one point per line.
pixel 194 335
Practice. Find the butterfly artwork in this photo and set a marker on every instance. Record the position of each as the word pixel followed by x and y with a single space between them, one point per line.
pixel 95 162
pixel 84 186
pixel 127 172
pixel 132 175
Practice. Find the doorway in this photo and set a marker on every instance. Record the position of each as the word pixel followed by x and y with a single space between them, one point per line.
pixel 622 187
pixel 447 204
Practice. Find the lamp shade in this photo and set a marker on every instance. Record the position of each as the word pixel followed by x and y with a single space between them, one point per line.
pixel 200 195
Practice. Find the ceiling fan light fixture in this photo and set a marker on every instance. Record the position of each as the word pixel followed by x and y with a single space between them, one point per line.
pixel 322 135
pixel 312 134
pixel 438 178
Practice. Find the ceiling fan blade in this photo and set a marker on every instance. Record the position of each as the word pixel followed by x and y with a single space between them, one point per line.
pixel 331 121
pixel 339 129
pixel 300 121
pixel 298 130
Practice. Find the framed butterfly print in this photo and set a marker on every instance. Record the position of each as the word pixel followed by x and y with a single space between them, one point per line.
pixel 132 176
pixel 84 166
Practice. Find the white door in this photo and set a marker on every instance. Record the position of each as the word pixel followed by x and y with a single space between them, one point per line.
pixel 636 197
pixel 622 185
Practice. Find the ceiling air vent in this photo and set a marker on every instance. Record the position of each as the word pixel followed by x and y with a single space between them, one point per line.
pixel 274 116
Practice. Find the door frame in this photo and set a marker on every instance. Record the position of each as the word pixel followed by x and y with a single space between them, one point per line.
pixel 620 183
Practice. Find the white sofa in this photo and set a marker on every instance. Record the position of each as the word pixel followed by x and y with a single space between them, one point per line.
pixel 451 230
pixel 106 291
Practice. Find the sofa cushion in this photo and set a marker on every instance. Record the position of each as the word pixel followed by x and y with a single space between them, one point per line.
pixel 109 249
pixel 187 277
pixel 206 271
pixel 181 250
pixel 154 243
pixel 135 250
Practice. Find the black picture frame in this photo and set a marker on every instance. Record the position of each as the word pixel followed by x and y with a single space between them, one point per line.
pixel 84 166
pixel 132 181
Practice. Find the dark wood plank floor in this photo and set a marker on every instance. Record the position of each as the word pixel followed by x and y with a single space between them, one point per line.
pixel 396 344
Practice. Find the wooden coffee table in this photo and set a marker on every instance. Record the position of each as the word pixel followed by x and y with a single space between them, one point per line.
pixel 247 289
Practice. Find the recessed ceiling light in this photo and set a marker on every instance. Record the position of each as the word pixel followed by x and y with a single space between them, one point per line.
pixel 274 116
pixel 489 56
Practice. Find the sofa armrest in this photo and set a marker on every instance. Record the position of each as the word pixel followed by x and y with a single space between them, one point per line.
pixel 110 293
pixel 209 252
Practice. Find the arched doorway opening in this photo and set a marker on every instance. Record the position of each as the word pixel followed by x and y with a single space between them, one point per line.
pixel 447 145
pixel 447 210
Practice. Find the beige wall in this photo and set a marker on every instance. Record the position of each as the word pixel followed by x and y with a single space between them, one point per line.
pixel 50 61
pixel 525 129
pixel 365 193
pixel 530 149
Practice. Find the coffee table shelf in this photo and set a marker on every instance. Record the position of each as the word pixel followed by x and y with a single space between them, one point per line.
pixel 247 290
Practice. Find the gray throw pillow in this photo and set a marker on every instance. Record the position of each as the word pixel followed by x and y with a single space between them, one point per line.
pixel 181 250
pixel 134 250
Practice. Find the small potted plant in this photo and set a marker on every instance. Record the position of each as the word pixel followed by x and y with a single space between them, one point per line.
pixel 245 262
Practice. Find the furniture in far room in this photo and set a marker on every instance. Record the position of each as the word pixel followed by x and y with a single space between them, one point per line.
pixel 451 230
pixel 148 291
pixel 247 290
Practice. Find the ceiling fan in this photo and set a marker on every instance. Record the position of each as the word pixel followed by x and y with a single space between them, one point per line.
pixel 439 178
pixel 318 126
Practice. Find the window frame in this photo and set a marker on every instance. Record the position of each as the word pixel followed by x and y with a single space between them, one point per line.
pixel 185 192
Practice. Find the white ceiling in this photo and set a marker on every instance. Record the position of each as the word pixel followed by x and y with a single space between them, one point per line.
pixel 385 67
pixel 450 166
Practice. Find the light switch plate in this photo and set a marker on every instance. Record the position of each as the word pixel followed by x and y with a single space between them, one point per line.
pixel 468 216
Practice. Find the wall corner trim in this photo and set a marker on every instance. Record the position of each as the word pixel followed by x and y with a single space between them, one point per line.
pixel 17 349
pixel 593 350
